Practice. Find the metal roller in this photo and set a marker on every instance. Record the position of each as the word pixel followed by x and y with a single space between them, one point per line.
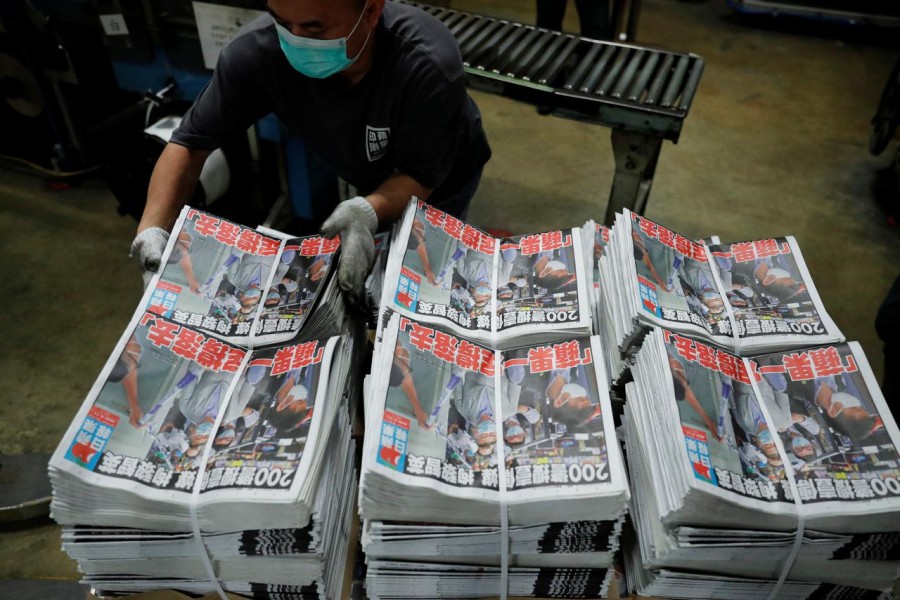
pixel 545 57
pixel 550 72
pixel 619 85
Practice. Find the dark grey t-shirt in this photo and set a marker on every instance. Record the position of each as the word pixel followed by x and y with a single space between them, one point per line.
pixel 410 113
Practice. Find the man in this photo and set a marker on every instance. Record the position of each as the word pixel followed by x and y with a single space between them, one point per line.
pixel 401 376
pixel 846 413
pixel 376 90
pixel 684 391
pixel 571 404
pixel 291 409
pixel 475 401
pixel 780 284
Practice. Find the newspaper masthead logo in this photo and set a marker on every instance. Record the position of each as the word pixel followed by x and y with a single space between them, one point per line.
pixel 394 440
pixel 377 139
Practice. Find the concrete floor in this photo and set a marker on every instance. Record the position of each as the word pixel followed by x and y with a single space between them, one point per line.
pixel 775 144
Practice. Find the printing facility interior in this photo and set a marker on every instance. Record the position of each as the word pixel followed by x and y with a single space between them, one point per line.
pixel 770 119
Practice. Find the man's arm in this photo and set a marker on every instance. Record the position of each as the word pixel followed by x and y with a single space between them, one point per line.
pixel 701 412
pixel 409 389
pixel 356 221
pixel 171 185
pixel 392 196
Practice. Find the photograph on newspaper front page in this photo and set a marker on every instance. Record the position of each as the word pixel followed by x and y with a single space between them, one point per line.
pixel 835 427
pixel 216 278
pixel 675 279
pixel 155 407
pixel 728 441
pixel 449 409
pixel 270 419
pixel 448 273
pixel 538 280
pixel 447 270
pixel 769 290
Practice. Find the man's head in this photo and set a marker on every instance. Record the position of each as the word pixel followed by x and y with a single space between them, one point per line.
pixel 250 297
pixel 485 434
pixel 291 410
pixel 294 401
pixel 572 406
pixel 767 445
pixel 198 434
pixel 781 284
pixel 713 301
pixel 554 275
pixel 803 448
pixel 273 298
pixel 352 20
pixel 677 369
pixel 481 293
pixel 224 438
pixel 513 433
pixel 850 417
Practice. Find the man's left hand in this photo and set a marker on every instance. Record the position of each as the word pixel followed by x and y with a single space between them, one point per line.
pixel 356 222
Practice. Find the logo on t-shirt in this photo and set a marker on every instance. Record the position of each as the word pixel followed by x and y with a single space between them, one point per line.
pixel 377 139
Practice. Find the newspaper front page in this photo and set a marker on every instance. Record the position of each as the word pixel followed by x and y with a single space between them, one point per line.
pixel 491 290
pixel 819 408
pixel 749 297
pixel 455 417
pixel 220 278
pixel 146 422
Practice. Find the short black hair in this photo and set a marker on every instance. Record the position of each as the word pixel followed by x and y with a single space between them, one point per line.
pixel 286 420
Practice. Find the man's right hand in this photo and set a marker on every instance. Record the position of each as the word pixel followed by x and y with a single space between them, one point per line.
pixel 148 247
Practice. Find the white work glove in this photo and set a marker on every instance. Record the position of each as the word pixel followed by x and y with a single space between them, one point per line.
pixel 355 220
pixel 148 248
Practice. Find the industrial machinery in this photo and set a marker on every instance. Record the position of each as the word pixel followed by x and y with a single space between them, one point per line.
pixel 642 94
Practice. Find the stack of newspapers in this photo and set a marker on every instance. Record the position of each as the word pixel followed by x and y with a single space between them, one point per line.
pixel 498 292
pixel 773 475
pixel 487 471
pixel 247 286
pixel 749 297
pixel 213 451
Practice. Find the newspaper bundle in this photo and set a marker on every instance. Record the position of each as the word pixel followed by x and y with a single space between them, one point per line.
pixel 461 438
pixel 669 583
pixel 450 421
pixel 499 292
pixel 748 297
pixel 195 428
pixel 301 563
pixel 741 467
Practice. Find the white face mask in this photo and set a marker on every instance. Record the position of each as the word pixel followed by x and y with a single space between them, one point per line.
pixel 845 400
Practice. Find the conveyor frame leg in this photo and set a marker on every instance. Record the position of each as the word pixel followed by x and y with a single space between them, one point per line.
pixel 636 155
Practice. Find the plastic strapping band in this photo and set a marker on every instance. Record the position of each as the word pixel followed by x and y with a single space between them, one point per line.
pixel 260 309
pixel 500 449
pixel 498 423
pixel 729 311
pixel 198 483
pixel 792 482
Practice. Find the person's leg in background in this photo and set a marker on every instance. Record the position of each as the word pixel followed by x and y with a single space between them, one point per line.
pixel 550 14
pixel 887 324
pixel 594 18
